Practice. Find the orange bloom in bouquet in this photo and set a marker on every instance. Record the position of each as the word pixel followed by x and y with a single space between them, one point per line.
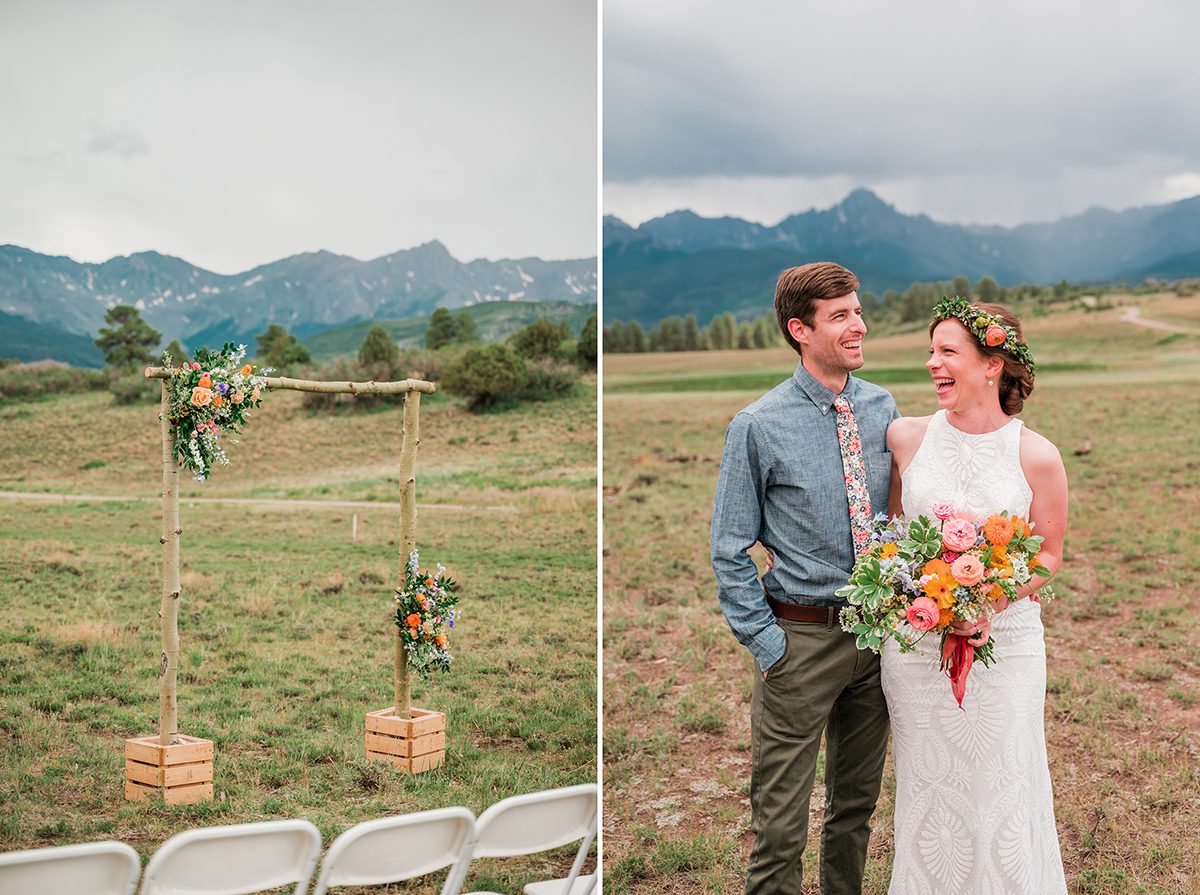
pixel 998 530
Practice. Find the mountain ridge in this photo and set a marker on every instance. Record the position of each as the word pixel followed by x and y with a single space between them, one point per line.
pixel 652 270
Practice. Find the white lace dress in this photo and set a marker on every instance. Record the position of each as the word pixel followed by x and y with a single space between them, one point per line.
pixel 974 806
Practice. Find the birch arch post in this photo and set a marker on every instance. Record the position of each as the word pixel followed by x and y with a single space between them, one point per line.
pixel 180 767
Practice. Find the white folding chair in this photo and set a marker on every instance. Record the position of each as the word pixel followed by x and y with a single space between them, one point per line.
pixel 98 868
pixel 234 860
pixel 525 825
pixel 392 849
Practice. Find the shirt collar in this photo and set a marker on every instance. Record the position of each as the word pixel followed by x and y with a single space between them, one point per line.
pixel 819 393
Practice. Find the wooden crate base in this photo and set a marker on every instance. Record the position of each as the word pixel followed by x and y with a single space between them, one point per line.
pixel 180 774
pixel 412 745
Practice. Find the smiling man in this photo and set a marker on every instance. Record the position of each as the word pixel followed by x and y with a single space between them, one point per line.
pixel 805 466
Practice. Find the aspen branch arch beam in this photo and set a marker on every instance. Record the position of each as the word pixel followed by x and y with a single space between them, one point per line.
pixel 412 389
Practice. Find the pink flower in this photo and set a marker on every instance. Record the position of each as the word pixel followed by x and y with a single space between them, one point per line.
pixel 958 535
pixel 995 335
pixel 967 569
pixel 943 511
pixel 949 556
pixel 923 614
pixel 195 366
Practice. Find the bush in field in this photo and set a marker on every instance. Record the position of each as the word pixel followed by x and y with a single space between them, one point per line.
pixel 486 375
pixel 548 379
pixel 28 382
pixel 280 350
pixel 540 339
pixel 132 388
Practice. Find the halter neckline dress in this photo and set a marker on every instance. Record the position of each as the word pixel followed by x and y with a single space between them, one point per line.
pixel 974 806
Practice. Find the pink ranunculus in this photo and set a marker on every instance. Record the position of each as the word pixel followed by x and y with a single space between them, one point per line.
pixel 949 556
pixel 958 535
pixel 995 335
pixel 923 614
pixel 943 511
pixel 967 569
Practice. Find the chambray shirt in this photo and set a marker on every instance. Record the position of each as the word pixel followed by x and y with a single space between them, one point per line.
pixel 782 483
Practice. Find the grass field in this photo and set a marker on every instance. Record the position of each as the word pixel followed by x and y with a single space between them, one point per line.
pixel 284 620
pixel 1123 639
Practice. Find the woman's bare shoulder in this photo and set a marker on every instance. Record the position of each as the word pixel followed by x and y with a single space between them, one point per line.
pixel 1038 451
pixel 907 431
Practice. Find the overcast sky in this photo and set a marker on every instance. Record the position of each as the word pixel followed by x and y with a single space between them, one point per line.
pixel 971 112
pixel 236 133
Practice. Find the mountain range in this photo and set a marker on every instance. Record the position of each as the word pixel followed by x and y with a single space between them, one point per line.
pixel 48 300
pixel 683 263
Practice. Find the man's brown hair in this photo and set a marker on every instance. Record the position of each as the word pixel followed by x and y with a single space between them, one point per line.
pixel 800 288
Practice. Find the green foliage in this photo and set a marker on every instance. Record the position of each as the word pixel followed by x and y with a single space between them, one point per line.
pixel 378 348
pixel 45 378
pixel 540 339
pixel 133 388
pixel 624 338
pixel 464 321
pixel 176 352
pixel 586 349
pixel 280 350
pixel 548 379
pixel 443 329
pixel 128 342
pixel 485 375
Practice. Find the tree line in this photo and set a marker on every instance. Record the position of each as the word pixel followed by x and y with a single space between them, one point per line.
pixel 893 310
pixel 685 334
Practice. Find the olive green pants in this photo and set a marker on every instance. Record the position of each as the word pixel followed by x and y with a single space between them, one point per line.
pixel 822 683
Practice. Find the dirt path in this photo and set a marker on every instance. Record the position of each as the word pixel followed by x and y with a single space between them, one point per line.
pixel 251 501
pixel 1134 315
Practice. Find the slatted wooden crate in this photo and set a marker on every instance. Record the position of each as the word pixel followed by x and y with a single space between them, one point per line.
pixel 181 773
pixel 411 744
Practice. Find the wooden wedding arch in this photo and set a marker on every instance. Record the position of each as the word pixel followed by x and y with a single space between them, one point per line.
pixel 179 767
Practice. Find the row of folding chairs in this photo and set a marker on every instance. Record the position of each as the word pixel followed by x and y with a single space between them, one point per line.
pixel 244 858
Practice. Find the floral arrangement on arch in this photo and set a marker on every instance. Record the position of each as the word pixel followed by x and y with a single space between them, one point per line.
pixel 927 575
pixel 209 397
pixel 425 613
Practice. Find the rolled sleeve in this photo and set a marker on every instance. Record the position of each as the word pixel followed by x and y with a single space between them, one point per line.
pixel 736 526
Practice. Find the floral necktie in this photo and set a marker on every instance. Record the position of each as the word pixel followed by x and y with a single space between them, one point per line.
pixel 855 469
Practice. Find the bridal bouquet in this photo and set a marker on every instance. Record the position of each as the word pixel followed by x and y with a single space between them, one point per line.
pixel 209 397
pixel 929 573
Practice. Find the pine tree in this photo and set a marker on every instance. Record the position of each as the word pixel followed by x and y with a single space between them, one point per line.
pixel 586 348
pixel 128 342
pixel 177 354
pixel 465 326
pixel 443 329
pixel 378 348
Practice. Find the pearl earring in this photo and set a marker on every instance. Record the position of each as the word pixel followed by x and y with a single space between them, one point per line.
pixel 990 382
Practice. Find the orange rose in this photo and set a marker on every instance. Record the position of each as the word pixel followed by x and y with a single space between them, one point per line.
pixel 218 400
pixel 429 582
pixel 237 397
pixel 246 370
pixel 205 381
pixel 441 640
pixel 413 621
pixel 201 397
pixel 998 530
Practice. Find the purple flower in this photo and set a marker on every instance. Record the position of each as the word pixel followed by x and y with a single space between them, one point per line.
pixel 222 388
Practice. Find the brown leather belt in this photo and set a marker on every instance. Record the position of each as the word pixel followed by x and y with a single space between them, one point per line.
pixel 826 615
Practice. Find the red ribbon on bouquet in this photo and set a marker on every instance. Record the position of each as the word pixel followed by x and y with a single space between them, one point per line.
pixel 957 657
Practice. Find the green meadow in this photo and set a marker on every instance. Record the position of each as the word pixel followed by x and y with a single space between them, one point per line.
pixel 1123 636
pixel 285 630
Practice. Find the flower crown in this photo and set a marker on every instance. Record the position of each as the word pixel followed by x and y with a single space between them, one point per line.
pixel 989 329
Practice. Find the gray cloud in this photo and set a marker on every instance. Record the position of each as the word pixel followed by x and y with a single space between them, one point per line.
pixel 913 97
pixel 260 130
pixel 123 142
